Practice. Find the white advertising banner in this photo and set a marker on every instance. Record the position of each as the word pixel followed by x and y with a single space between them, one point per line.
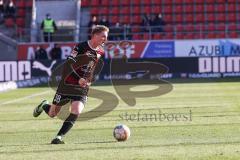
pixel 206 48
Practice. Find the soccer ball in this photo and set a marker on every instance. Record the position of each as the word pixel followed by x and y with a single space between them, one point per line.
pixel 121 132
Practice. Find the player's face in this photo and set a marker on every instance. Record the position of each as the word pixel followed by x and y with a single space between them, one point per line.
pixel 101 38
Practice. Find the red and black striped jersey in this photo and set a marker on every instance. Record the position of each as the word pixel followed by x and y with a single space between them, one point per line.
pixel 84 60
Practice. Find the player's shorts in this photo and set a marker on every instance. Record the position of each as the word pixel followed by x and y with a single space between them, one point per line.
pixel 61 100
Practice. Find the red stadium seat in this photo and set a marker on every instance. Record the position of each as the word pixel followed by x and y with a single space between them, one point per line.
pixel 200 8
pixel 20 22
pixel 156 9
pixel 189 1
pixel 29 3
pixel 221 17
pixel 146 2
pixel 136 29
pixel 210 35
pixel 220 8
pixel 232 8
pixel 168 28
pixel 189 28
pixel 136 10
pixel 200 1
pixel 220 27
pixel 105 2
pixel 94 10
pixel 158 2
pixel 189 18
pixel 168 18
pixel 232 27
pixel 114 19
pixel 157 36
pixel 189 36
pixel 210 8
pixel 136 37
pixel 21 13
pixel 103 11
pixel 199 18
pixel 115 10
pixel 136 20
pixel 233 34
pixel 94 2
pixel 179 18
pixel 136 2
pixel 125 10
pixel 20 4
pixel 209 27
pixel 210 17
pixel 189 8
pixel 220 35
pixel 115 2
pixel 20 32
pixel 221 1
pixel 84 3
pixel 178 9
pixel 210 1
pixel 179 28
pixel 179 36
pixel 232 17
pixel 168 36
pixel 9 22
pixel 125 2
pixel 178 1
pixel 168 9
pixel 147 9
pixel 168 2
pixel 146 36
pixel 125 20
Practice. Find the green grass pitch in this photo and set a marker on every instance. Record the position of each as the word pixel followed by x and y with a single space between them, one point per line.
pixel 210 131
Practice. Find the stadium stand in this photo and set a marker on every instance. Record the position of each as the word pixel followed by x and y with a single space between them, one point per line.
pixel 185 19
pixel 15 26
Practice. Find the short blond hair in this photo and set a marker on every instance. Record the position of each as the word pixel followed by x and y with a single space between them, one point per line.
pixel 98 29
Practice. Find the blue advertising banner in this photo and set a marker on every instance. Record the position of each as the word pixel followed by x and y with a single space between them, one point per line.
pixel 157 49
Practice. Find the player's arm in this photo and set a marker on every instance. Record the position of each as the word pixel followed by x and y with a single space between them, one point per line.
pixel 75 52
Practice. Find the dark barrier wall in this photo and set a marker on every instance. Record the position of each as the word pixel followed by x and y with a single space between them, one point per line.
pixel 191 67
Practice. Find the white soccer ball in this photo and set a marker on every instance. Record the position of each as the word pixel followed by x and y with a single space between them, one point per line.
pixel 121 132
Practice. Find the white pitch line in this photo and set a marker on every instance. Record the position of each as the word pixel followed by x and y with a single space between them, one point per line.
pixel 24 98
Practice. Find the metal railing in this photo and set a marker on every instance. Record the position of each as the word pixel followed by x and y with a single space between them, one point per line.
pixel 138 33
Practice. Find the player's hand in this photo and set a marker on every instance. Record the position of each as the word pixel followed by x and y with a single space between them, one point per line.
pixel 82 82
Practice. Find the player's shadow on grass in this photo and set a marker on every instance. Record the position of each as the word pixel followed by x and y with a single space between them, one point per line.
pixel 92 142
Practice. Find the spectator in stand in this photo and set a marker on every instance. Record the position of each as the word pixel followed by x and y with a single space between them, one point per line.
pixel 158 23
pixel 10 9
pixel 146 23
pixel 104 21
pixel 49 27
pixel 41 53
pixel 56 52
pixel 1 6
pixel 2 10
pixel 91 24
pixel 127 32
pixel 116 32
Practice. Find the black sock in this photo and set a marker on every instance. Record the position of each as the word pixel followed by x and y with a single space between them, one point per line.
pixel 67 124
pixel 46 108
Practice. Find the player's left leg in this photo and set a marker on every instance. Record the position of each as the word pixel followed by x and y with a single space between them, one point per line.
pixel 76 109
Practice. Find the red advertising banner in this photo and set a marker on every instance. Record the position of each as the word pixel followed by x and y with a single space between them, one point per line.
pixel 131 49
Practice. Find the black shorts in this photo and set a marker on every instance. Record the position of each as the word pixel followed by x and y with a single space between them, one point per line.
pixel 61 99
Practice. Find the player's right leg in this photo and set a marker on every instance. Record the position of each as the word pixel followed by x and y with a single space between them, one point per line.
pixel 39 109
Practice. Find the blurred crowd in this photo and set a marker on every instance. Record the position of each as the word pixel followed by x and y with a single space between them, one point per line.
pixel 118 31
pixel 7 9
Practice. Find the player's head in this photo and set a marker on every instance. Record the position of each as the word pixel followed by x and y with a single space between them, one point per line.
pixel 99 34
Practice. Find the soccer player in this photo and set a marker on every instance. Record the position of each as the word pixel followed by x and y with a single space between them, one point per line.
pixel 80 77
